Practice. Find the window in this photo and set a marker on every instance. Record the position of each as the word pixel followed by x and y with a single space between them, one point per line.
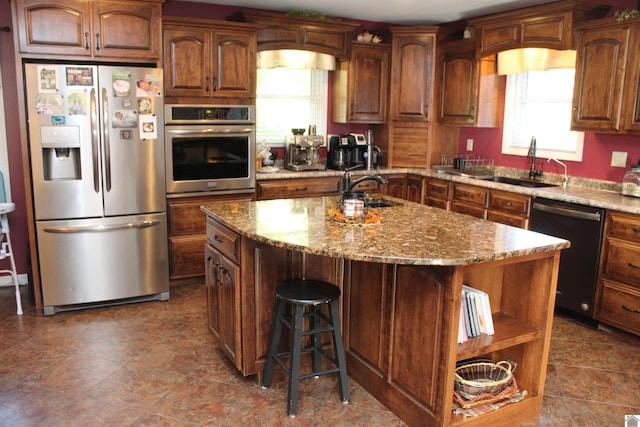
pixel 288 98
pixel 538 104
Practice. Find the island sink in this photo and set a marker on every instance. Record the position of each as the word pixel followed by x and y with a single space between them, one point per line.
pixel 381 203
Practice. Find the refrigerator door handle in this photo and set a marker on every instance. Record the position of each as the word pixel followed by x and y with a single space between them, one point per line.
pixel 102 228
pixel 95 147
pixel 105 139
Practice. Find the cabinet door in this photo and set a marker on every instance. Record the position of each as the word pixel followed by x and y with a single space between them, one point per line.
pixel 212 260
pixel 229 322
pixel 414 188
pixel 631 102
pixel 361 85
pixel 412 77
pixel 127 29
pixel 458 87
pixel 234 59
pixel 599 77
pixel 187 62
pixel 61 28
pixel 185 256
pixel 395 186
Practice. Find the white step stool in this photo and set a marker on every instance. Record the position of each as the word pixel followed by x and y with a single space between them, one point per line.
pixel 6 250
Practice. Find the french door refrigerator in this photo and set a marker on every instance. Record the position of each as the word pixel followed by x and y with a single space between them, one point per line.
pixel 97 164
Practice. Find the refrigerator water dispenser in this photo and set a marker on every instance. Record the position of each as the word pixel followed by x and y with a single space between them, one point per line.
pixel 61 152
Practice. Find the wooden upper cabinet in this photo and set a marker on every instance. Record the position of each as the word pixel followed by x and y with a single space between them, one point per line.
pixel 547 26
pixel 361 85
pixel 108 30
pixel 471 93
pixel 412 73
pixel 209 59
pixel 606 93
pixel 127 29
pixel 283 31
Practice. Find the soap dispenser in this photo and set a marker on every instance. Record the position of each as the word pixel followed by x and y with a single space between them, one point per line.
pixel 631 181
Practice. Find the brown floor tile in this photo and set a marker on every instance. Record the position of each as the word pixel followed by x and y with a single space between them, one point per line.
pixel 155 364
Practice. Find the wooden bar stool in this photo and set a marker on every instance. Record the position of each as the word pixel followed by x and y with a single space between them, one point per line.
pixel 306 298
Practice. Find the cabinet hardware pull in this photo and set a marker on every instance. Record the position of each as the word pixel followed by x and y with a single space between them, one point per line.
pixel 301 189
pixel 631 309
pixel 206 84
pixel 215 83
pixel 97 41
pixel 632 265
pixel 86 41
pixel 635 229
pixel 351 110
pixel 507 204
pixel 217 239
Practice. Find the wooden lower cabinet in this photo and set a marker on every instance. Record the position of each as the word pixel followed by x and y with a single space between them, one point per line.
pixel 187 234
pixel 509 208
pixel 470 200
pixel 399 321
pixel 415 188
pixel 395 186
pixel 438 193
pixel 618 290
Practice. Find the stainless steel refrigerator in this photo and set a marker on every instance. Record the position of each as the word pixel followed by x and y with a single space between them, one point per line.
pixel 97 162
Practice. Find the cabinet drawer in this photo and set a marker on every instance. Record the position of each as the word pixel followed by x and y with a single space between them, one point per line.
pixel 186 256
pixel 186 218
pixel 619 306
pixel 508 219
pixel 438 203
pixel 468 209
pixel 509 202
pixel 622 261
pixel 438 189
pixel 470 194
pixel 223 239
pixel 624 226
pixel 288 188
pixel 368 186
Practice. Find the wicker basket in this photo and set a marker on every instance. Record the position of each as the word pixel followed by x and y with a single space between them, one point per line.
pixel 474 379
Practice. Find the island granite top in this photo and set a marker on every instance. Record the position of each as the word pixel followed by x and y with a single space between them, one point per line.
pixel 408 234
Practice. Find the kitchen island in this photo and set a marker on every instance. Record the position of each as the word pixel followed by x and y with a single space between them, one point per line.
pixel 402 283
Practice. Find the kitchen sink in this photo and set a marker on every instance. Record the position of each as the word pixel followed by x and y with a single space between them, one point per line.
pixel 381 203
pixel 517 181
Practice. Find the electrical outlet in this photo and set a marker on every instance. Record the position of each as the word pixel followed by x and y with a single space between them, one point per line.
pixel 618 159
pixel 469 144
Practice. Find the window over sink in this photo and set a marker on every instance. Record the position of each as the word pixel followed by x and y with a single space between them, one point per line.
pixel 290 98
pixel 538 103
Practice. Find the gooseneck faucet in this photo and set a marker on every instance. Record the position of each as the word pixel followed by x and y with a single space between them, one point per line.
pixel 348 184
pixel 565 178
pixel 533 172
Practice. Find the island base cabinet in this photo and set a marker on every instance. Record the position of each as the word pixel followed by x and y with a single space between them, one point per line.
pixel 401 325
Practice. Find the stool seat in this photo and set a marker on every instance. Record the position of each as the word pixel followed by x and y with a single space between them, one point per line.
pixel 306 299
pixel 307 292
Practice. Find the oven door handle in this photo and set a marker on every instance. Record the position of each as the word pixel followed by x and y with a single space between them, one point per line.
pixel 207 131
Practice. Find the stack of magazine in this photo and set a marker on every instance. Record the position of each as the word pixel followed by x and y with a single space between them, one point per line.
pixel 475 314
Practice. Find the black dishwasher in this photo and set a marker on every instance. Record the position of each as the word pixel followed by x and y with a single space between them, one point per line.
pixel 582 226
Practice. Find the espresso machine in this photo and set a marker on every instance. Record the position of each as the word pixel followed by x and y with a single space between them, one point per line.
pixel 302 152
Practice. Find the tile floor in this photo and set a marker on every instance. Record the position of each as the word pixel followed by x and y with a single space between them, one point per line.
pixel 155 364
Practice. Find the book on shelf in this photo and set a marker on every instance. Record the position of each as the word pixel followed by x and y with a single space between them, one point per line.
pixel 475 314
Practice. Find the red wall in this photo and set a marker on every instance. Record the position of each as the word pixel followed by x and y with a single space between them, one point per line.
pixel 18 218
pixel 596 160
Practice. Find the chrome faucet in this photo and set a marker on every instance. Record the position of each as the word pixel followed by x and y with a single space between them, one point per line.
pixel 565 178
pixel 533 172
pixel 348 184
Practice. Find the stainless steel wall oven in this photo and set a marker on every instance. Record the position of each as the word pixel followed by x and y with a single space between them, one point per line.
pixel 210 148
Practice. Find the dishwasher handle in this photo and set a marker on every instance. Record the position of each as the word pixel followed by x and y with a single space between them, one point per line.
pixel 565 211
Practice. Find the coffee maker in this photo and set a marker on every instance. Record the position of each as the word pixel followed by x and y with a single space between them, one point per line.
pixel 302 152
pixel 341 151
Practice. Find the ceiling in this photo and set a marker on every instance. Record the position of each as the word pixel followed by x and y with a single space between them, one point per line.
pixel 402 12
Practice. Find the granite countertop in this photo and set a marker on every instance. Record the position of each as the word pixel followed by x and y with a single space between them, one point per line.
pixel 408 234
pixel 601 194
